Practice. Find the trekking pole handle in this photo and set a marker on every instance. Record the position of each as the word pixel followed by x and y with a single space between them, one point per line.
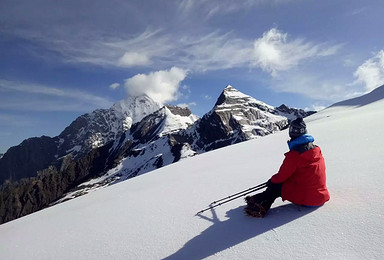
pixel 230 196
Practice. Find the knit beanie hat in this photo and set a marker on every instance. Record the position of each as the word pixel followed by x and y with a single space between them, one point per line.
pixel 297 128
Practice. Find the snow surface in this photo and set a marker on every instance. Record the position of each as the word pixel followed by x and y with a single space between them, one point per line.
pixel 152 216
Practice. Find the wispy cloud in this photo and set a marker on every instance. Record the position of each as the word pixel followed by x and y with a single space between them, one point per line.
pixel 371 72
pixel 106 36
pixel 214 51
pixel 27 96
pixel 7 119
pixel 221 7
pixel 311 85
pixel 275 52
pixel 207 97
pixel 114 85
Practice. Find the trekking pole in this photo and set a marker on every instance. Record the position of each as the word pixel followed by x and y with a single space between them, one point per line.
pixel 230 198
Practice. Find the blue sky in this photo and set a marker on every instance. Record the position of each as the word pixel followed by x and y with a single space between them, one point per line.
pixel 61 59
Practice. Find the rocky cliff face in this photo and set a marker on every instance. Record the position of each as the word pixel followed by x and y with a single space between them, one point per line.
pixel 236 117
pixel 26 159
pixel 292 113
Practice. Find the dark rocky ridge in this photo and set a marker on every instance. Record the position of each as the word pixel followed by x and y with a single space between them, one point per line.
pixel 26 159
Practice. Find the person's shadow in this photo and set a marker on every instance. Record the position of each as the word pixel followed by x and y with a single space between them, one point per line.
pixel 236 229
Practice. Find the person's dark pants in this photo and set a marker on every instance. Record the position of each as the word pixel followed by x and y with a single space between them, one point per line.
pixel 267 197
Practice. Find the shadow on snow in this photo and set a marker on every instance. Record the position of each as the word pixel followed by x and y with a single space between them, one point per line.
pixel 236 229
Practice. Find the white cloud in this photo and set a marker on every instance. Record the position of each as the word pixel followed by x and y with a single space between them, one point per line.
pixel 185 105
pixel 132 59
pixel 114 85
pixel 161 86
pixel 315 107
pixel 274 52
pixel 371 72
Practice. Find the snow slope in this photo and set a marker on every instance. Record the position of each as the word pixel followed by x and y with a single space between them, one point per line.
pixel 152 216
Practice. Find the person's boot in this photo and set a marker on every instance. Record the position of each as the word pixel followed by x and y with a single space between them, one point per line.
pixel 251 200
pixel 256 210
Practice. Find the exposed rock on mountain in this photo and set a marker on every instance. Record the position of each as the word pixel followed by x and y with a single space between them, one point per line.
pixel 292 113
pixel 236 117
pixel 26 159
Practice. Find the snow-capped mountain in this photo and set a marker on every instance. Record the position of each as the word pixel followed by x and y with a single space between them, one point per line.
pixel 235 117
pixel 167 120
pixel 145 147
pixel 96 129
pixel 133 137
pixel 87 132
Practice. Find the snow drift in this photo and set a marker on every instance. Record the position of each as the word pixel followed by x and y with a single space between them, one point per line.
pixel 152 216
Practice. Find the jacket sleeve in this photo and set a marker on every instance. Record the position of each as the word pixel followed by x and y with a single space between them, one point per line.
pixel 287 168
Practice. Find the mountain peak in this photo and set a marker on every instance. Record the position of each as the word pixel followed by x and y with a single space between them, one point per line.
pixel 231 95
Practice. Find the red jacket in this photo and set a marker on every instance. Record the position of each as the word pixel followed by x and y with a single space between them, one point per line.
pixel 303 177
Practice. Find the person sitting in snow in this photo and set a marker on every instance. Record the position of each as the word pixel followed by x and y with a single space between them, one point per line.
pixel 301 178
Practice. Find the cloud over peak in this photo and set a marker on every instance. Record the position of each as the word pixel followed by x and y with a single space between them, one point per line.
pixel 162 86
